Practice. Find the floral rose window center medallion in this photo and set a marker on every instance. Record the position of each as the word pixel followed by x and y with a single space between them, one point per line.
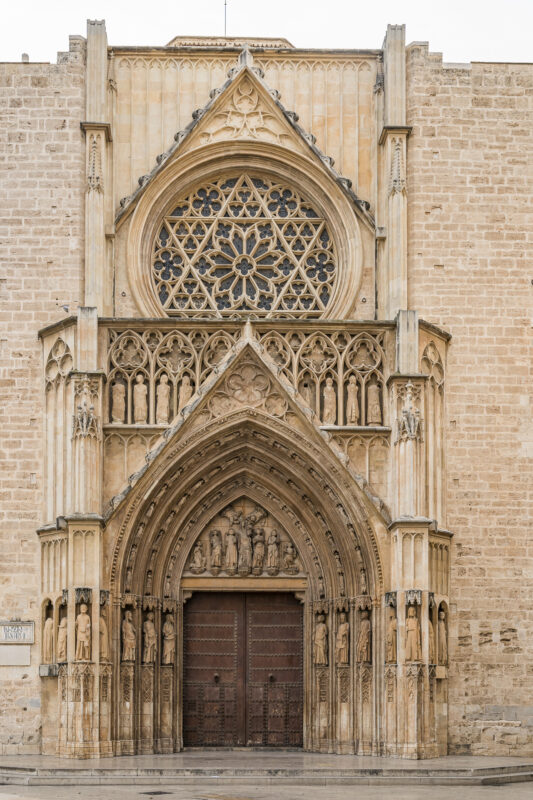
pixel 244 245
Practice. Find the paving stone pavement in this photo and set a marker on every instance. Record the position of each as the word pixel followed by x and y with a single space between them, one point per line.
pixel 511 792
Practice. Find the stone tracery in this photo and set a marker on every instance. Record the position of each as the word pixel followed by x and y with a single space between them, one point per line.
pixel 245 244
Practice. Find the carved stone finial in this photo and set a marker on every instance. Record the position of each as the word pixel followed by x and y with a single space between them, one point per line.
pixel 246 59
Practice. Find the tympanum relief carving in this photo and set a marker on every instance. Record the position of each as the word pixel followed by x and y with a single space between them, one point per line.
pixel 243 539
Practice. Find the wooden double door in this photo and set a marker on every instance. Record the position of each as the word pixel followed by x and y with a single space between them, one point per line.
pixel 243 670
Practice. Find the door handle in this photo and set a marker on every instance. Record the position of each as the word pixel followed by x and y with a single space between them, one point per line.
pixel 216 677
pixel 271 678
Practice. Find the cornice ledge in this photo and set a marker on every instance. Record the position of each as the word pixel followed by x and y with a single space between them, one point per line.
pixel 392 129
pixel 98 126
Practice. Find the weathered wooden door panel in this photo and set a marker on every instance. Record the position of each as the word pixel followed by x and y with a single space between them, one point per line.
pixel 243 670
pixel 274 675
pixel 212 670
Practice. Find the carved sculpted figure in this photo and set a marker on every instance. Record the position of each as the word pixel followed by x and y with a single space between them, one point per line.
pixel 48 641
pixel 245 553
pixel 342 641
pixel 364 650
pixel 442 638
pixel 104 640
pixel 273 552
pixel 231 551
pixel 118 402
pixel 163 400
pixel 62 641
pixel 185 392
pixel 392 644
pixel 320 652
pixel 373 414
pixel 140 400
pixel 289 559
pixel 197 563
pixel 129 637
pixel 129 579
pixel 259 551
pixel 364 586
pixel 330 403
pixel 352 404
pixel 83 635
pixel 413 647
pixel 150 639
pixel 216 551
pixel 149 582
pixel 308 394
pixel 169 640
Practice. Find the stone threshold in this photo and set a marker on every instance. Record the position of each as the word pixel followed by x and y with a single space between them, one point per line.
pixel 262 768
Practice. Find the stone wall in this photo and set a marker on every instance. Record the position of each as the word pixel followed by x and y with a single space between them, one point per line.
pixel 470 245
pixel 41 244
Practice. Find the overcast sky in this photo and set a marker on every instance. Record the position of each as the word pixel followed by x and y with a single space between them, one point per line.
pixel 463 30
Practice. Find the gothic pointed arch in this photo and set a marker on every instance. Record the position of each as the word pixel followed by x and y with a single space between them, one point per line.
pixel 247 437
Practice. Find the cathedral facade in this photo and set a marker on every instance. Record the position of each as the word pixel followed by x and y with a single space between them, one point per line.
pixel 265 474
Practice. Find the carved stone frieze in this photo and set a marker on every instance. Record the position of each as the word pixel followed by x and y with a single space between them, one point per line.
pixel 243 539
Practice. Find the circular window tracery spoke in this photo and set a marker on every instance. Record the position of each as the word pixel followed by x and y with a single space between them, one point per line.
pixel 244 245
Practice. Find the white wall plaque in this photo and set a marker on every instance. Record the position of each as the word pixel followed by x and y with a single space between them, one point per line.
pixel 17 632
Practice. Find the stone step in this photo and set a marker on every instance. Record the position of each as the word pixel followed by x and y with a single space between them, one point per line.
pixel 165 773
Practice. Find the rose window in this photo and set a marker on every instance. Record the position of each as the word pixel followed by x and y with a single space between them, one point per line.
pixel 244 245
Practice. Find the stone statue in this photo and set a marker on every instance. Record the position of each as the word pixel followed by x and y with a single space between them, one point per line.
pixel 307 393
pixel 364 639
pixel 185 392
pixel 150 639
pixel 197 562
pixel 364 585
pixel 289 559
pixel 48 641
pixel 129 579
pixel 259 551
pixel 352 404
pixel 140 400
pixel 442 638
pixel 320 651
pixel 245 553
pixel 231 551
pixel 149 582
pixel 431 642
pixel 330 403
pixel 273 552
pixel 413 647
pixel 166 588
pixel 104 639
pixel 163 400
pixel 253 518
pixel 391 642
pixel 169 640
pixel 129 637
pixel 342 641
pixel 215 556
pixel 373 413
pixel 83 635
pixel 118 402
pixel 62 640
